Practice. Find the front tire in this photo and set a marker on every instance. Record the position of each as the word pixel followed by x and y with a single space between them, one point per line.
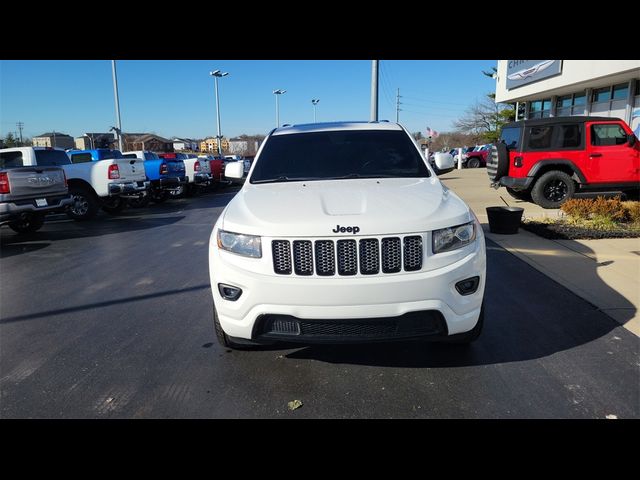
pixel 85 204
pixel 139 202
pixel 552 189
pixel 27 223
pixel 227 341
pixel 159 196
pixel 178 192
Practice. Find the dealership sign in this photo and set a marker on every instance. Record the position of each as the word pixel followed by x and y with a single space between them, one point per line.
pixel 523 72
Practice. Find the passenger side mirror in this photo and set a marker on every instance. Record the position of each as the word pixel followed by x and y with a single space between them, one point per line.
pixel 631 139
pixel 443 163
pixel 234 170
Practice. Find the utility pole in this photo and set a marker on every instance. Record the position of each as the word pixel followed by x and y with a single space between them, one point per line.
pixel 314 102
pixel 115 93
pixel 54 138
pixel 398 106
pixel 374 91
pixel 20 125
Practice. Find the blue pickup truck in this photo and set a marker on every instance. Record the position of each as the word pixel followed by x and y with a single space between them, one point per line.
pixel 165 174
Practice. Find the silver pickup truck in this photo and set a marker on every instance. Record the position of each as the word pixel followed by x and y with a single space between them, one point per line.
pixel 27 194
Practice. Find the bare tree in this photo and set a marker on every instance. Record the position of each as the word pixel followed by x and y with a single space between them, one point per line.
pixel 486 118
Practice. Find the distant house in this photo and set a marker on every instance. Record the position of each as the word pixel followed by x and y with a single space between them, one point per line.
pixel 243 146
pixel 54 139
pixel 185 144
pixel 146 141
pixel 90 141
pixel 211 145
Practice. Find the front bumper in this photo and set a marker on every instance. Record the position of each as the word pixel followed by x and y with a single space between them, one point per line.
pixel 14 208
pixel 516 183
pixel 430 295
pixel 128 188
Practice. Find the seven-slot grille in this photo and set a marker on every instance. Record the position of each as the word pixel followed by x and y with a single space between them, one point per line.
pixel 369 255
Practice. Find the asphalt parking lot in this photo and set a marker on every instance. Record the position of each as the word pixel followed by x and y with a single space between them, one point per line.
pixel 112 319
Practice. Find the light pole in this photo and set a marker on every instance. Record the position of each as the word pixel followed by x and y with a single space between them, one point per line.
pixel 315 102
pixel 277 93
pixel 115 93
pixel 217 74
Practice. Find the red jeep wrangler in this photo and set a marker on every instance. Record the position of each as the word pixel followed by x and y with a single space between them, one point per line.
pixel 547 160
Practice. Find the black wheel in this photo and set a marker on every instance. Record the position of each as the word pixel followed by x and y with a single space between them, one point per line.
pixel 472 335
pixel 227 341
pixel 159 196
pixel 139 202
pixel 473 163
pixel 524 195
pixel 27 223
pixel 85 204
pixel 178 192
pixel 114 205
pixel 552 189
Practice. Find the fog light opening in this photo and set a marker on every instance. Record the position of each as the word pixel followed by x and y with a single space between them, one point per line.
pixel 468 286
pixel 229 292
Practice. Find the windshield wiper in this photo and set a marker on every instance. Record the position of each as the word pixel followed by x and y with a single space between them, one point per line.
pixel 357 175
pixel 282 178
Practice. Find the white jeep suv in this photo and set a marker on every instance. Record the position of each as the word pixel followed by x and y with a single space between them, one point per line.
pixel 343 233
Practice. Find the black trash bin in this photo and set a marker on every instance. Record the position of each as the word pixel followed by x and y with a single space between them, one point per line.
pixel 504 220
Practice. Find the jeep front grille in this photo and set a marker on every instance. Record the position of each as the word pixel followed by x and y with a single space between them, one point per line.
pixel 369 256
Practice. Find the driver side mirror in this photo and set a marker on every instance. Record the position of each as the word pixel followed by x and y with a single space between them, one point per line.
pixel 631 139
pixel 443 163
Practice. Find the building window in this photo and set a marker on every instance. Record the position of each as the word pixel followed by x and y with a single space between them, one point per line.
pixel 579 99
pixel 540 108
pixel 564 101
pixel 601 94
pixel 621 91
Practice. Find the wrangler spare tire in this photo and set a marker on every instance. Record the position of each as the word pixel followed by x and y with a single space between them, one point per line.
pixel 498 162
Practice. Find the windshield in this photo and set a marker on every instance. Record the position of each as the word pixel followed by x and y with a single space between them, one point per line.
pixel 338 154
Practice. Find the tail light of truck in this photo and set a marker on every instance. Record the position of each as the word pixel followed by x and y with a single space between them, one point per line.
pixel 164 169
pixel 114 172
pixel 4 183
pixel 196 166
pixel 64 175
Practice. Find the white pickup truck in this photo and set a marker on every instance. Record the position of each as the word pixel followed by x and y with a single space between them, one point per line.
pixel 92 184
pixel 197 172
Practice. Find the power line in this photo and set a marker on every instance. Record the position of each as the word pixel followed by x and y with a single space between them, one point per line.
pixel 20 126
pixel 385 85
pixel 424 100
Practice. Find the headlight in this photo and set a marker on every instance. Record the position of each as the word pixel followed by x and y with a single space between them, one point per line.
pixel 452 238
pixel 247 245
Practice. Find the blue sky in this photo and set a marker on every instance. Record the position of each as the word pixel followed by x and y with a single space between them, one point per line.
pixel 176 97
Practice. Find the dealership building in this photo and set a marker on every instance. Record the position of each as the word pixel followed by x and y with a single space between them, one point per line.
pixel 553 88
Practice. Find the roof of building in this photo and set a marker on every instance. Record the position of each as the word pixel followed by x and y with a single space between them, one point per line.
pixel 145 137
pixel 52 134
pixel 327 126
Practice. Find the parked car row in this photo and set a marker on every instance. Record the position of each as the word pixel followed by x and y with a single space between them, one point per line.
pixel 472 157
pixel 36 181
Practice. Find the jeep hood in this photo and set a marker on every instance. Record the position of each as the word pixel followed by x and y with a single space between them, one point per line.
pixel 382 206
